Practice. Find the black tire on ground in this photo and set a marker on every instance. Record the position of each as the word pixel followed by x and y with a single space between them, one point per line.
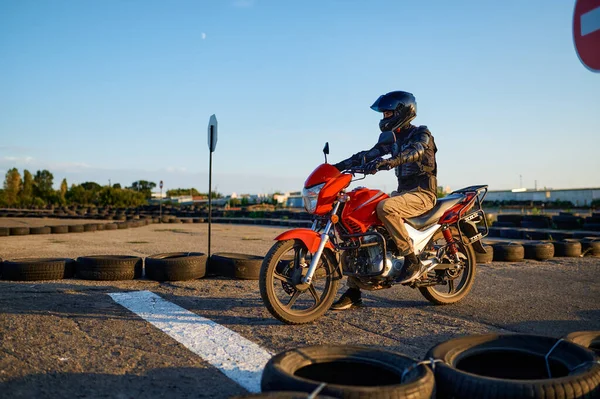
pixel 513 366
pixel 76 228
pixel 509 252
pixel 587 339
pixel 504 224
pixel 567 248
pixel 38 269
pixel 176 266
pixel 486 257
pixel 122 225
pixel 100 227
pixel 111 226
pixel 109 267
pixel 348 371
pixel 187 220
pixel 18 231
pixel 590 246
pixel 40 230
pixel 90 227
pixel 59 229
pixel 4 231
pixel 242 266
pixel 280 395
pixel 538 250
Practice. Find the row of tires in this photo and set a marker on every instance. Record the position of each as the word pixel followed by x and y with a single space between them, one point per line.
pixel 490 366
pixel 539 250
pixel 538 234
pixel 563 221
pixel 174 266
pixel 91 227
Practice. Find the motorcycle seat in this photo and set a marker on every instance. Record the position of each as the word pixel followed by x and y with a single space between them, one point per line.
pixel 431 217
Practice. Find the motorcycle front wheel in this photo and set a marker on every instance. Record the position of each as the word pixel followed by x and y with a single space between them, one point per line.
pixel 458 282
pixel 281 289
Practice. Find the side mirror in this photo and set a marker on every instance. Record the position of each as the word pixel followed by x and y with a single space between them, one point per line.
pixel 326 150
pixel 387 138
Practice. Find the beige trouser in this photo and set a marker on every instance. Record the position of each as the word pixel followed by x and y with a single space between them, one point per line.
pixel 392 213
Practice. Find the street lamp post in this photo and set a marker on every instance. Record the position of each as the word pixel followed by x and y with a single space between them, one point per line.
pixel 160 201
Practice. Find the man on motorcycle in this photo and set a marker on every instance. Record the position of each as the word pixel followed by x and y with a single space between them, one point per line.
pixel 413 157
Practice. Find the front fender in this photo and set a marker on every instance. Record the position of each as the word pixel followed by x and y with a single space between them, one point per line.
pixel 309 237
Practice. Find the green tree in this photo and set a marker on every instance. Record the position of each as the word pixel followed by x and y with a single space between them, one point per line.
pixel 26 194
pixel 63 189
pixel 12 186
pixel 116 185
pixel 144 187
pixel 43 181
pixel 76 195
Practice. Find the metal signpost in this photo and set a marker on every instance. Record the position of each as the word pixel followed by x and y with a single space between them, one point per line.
pixel 161 185
pixel 212 144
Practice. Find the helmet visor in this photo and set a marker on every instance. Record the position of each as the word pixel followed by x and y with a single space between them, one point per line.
pixel 384 103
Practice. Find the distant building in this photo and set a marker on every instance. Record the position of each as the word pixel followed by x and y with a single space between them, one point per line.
pixel 577 196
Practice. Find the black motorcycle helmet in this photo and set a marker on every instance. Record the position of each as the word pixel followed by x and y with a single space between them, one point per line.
pixel 402 104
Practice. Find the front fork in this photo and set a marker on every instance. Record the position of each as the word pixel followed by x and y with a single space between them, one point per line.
pixel 447 233
pixel 324 239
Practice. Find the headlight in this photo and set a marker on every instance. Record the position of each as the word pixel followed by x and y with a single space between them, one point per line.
pixel 309 196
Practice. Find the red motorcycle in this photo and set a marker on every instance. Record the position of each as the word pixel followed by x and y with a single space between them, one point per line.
pixel 300 274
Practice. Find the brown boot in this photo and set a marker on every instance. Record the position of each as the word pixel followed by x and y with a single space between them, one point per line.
pixel 411 269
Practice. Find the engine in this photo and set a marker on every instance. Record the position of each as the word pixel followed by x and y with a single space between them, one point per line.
pixel 369 260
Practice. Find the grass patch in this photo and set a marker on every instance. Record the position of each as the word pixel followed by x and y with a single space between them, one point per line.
pixel 138 242
pixel 57 241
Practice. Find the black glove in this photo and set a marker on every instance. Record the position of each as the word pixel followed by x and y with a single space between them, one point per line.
pixel 376 165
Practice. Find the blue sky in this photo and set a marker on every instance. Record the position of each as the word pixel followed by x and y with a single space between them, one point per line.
pixel 123 90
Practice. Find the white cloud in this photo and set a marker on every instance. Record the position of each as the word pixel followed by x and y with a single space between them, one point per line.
pixel 203 35
pixel 19 160
pixel 172 169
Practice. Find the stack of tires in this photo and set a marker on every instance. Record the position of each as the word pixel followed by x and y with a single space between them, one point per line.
pixel 177 266
pixel 479 366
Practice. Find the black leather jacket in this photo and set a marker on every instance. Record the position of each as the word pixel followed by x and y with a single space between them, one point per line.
pixel 412 156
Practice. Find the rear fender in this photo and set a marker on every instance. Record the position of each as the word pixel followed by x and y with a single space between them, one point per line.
pixel 309 237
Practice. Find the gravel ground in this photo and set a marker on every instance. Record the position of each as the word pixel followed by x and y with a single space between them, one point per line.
pixel 68 338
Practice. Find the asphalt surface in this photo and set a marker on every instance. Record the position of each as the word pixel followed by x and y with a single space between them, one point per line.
pixel 69 339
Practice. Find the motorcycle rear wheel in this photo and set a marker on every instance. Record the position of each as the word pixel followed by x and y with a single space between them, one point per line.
pixel 459 287
pixel 282 299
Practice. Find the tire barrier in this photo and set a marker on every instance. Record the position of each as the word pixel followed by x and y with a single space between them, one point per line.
pixel 588 339
pixel 38 269
pixel 109 267
pixel 40 230
pixel 282 395
pixel 4 231
pixel 508 252
pixel 590 246
pixel 538 250
pixel 345 371
pixel 514 366
pixel 486 257
pixel 18 231
pixel 235 265
pixel 76 228
pixel 567 248
pixel 176 266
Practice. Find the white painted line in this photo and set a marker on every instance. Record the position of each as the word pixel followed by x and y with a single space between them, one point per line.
pixel 590 21
pixel 235 356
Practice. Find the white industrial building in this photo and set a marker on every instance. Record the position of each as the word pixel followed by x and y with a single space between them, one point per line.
pixel 577 196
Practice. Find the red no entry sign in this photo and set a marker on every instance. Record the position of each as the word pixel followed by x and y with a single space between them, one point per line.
pixel 586 33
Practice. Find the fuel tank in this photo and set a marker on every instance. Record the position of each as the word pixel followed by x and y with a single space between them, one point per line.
pixel 360 212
